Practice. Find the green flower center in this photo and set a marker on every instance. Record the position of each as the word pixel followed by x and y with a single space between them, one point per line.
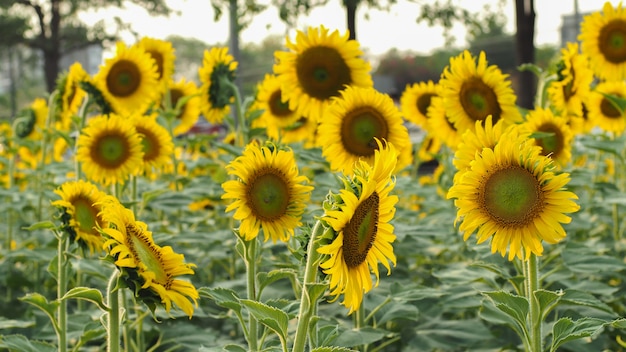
pixel 123 79
pixel 358 129
pixel 268 194
pixel 360 232
pixel 423 102
pixel 612 41
pixel 322 72
pixel 551 142
pixel 609 110
pixel 279 108
pixel 86 215
pixel 146 252
pixel 512 196
pixel 110 151
pixel 479 100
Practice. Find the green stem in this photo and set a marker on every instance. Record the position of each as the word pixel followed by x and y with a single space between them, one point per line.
pixel 536 321
pixel 61 290
pixel 241 139
pixel 306 306
pixel 251 259
pixel 359 322
pixel 113 321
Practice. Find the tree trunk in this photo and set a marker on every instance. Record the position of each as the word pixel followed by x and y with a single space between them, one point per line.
pixel 234 35
pixel 351 6
pixel 525 46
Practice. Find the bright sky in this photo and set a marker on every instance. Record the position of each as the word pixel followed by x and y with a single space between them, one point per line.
pixel 377 34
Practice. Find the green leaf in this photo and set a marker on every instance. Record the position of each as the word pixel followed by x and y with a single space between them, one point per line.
pixel 356 337
pixel 565 329
pixel 547 300
pixel 332 349
pixel 580 298
pixel 11 323
pixel 234 348
pixel 516 307
pixel 395 310
pixel 223 297
pixel 537 70
pixel 40 225
pixel 42 303
pixel 266 279
pixel 273 318
pixel 22 344
pixel 88 294
pixel 408 293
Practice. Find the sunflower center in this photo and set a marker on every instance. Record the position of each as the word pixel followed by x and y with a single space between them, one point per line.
pixel 268 194
pixel 279 108
pixel 147 253
pixel 360 232
pixel 612 41
pixel 158 60
pixel 358 129
pixel 322 72
pixel 479 100
pixel 552 143
pixel 85 214
pixel 123 78
pixel 423 102
pixel 110 151
pixel 609 110
pixel 150 144
pixel 512 196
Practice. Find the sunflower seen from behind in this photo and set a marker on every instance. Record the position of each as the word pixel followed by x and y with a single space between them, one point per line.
pixel 317 67
pixel 32 120
pixel 513 196
pixel 603 39
pixel 71 95
pixel 602 112
pixel 360 216
pixel 415 101
pixel 354 121
pixel 217 75
pixel 109 149
pixel 551 133
pixel 153 273
pixel 267 193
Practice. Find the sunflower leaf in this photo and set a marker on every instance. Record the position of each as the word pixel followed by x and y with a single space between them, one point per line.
pixel 41 225
pixel 223 297
pixel 23 344
pixel 266 279
pixel 566 329
pixel 273 318
pixel 547 300
pixel 332 349
pixel 357 337
pixel 88 294
pixel 516 307
pixel 42 303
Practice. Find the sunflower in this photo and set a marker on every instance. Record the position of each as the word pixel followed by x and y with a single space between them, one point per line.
pixel 440 126
pixel 602 112
pixel 352 123
pixel 32 120
pixel 150 270
pixel 109 149
pixel 471 91
pixel 71 95
pixel 128 81
pixel 80 213
pixel 268 192
pixel 163 55
pixel 217 67
pixel 317 67
pixel 157 142
pixel 304 131
pixel 573 84
pixel 551 133
pixel 276 112
pixel 363 233
pixel 603 39
pixel 428 147
pixel 415 100
pixel 512 195
pixel 189 111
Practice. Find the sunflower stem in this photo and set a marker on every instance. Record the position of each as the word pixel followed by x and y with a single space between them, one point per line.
pixel 61 290
pixel 82 113
pixel 113 321
pixel 238 121
pixel 532 285
pixel 306 306
pixel 251 258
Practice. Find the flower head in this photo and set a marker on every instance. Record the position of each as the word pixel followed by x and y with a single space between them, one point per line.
pixel 218 68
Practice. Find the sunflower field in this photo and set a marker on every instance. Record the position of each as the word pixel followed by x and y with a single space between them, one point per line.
pixel 311 223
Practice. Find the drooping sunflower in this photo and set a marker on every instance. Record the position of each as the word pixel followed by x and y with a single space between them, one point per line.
pixel 162 52
pixel 109 149
pixel 352 123
pixel 551 133
pixel 189 112
pixel 512 195
pixel 415 100
pixel 317 67
pixel 276 112
pixel 440 126
pixel 216 95
pixel 157 142
pixel 267 193
pixel 573 84
pixel 80 213
pixel 71 95
pixel 472 90
pixel 363 233
pixel 602 112
pixel 151 271
pixel 603 39
pixel 128 81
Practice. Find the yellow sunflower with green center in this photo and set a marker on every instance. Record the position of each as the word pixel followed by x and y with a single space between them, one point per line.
pixel 109 149
pixel 162 52
pixel 128 81
pixel 440 126
pixel 267 193
pixel 189 110
pixel 217 70
pixel 573 82
pixel 429 147
pixel 363 233
pixel 71 95
pixel 471 90
pixel 551 133
pixel 32 121
pixel 317 67
pixel 602 112
pixel 80 213
pixel 512 196
pixel 276 112
pixel 415 101
pixel 158 146
pixel 151 271
pixel 354 121
pixel 603 39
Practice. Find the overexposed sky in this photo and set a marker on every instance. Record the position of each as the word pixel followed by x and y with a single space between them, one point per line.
pixel 377 31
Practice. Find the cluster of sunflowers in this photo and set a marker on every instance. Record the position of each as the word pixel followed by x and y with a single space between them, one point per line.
pixel 128 122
